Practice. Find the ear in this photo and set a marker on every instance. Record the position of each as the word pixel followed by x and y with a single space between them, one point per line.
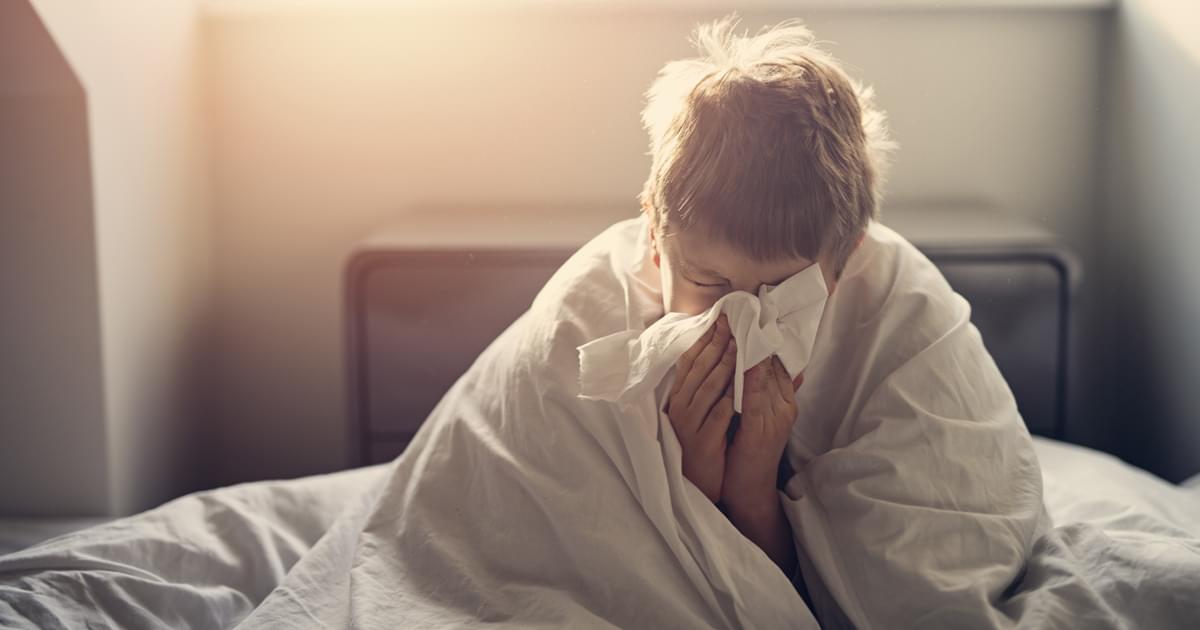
pixel 654 252
pixel 830 281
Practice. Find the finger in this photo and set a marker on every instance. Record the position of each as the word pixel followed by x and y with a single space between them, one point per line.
pixel 705 362
pixel 773 399
pixel 783 383
pixel 684 365
pixel 784 402
pixel 759 382
pixel 798 381
pixel 689 357
pixel 715 383
pixel 716 423
pixel 754 399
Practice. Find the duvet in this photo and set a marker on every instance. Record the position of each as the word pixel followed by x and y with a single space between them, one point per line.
pixel 917 499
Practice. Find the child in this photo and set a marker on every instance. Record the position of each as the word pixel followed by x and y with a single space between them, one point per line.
pixel 571 479
pixel 767 159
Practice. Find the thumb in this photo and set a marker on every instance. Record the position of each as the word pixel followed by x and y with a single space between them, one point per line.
pixel 798 381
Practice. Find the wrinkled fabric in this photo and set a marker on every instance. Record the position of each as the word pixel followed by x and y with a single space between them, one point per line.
pixel 916 486
pixel 205 560
pixel 520 504
pixel 1126 554
pixel 780 320
pixel 916 501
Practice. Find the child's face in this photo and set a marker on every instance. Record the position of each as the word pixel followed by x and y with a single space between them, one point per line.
pixel 698 270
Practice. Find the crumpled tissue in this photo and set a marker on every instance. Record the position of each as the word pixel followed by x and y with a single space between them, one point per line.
pixel 781 319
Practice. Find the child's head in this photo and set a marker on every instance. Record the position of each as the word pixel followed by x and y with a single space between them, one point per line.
pixel 766 157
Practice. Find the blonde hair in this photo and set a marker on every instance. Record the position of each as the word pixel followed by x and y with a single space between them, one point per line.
pixel 766 143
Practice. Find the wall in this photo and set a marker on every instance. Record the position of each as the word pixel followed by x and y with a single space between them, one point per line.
pixel 138 63
pixel 1151 196
pixel 329 123
pixel 51 386
pixel 197 283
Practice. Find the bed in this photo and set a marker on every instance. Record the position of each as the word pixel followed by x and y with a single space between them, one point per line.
pixel 211 559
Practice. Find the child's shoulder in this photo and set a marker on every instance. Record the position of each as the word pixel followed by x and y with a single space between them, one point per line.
pixel 598 275
pixel 582 301
pixel 893 268
pixel 594 292
pixel 890 286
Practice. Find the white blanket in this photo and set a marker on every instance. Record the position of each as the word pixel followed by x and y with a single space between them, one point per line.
pixel 521 503
pixel 201 561
pixel 917 499
pixel 194 556
pixel 918 490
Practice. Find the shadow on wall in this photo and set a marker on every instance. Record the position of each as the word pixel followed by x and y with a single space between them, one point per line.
pixel 109 222
pixel 1150 255
pixel 51 385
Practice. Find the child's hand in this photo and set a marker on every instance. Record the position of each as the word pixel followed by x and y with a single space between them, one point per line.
pixel 768 412
pixel 700 406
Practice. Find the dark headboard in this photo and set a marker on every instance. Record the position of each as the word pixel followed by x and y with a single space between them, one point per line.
pixel 417 318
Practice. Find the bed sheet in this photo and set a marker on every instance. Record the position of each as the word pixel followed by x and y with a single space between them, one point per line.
pixel 200 561
pixel 210 558
pixel 17 533
pixel 1084 485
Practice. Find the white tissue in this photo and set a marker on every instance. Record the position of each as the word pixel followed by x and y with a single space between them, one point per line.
pixel 781 320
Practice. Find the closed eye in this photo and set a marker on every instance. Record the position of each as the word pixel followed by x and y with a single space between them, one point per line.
pixel 706 284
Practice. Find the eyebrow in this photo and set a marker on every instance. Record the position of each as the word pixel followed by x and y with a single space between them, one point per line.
pixel 692 268
pixel 689 266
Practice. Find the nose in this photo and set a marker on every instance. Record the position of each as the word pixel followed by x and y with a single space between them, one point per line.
pixel 748 287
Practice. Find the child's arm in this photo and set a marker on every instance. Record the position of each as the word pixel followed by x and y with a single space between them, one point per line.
pixel 752 462
pixel 767 526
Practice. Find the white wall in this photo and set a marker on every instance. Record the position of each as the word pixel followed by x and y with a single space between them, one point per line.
pixel 138 62
pixel 326 123
pixel 51 386
pixel 330 123
pixel 1151 258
